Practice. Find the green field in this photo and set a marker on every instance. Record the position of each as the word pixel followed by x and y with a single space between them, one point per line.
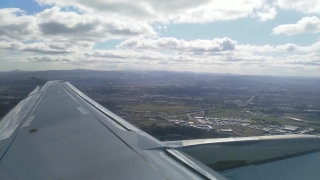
pixel 158 108
pixel 243 130
pixel 147 123
pixel 225 113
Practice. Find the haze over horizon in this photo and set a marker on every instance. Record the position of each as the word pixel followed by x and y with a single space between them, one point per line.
pixel 255 37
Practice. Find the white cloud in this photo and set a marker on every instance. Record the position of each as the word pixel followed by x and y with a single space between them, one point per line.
pixel 287 47
pixel 37 47
pixel 236 61
pixel 86 27
pixel 15 24
pixel 254 48
pixel 267 13
pixel 196 46
pixel 60 25
pixel 67 33
pixel 130 56
pixel 47 47
pixel 178 11
pixel 304 6
pixel 218 46
pixel 305 25
pixel 170 51
pixel 164 27
pixel 312 48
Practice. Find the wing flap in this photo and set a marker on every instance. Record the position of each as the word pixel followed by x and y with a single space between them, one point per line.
pixel 227 153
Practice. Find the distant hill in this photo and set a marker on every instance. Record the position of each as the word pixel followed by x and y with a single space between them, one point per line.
pixel 127 76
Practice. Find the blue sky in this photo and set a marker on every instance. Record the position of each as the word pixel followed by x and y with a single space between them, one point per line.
pixel 246 36
pixel 30 6
pixel 244 30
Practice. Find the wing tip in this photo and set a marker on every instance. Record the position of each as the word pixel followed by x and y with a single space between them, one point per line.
pixel 40 82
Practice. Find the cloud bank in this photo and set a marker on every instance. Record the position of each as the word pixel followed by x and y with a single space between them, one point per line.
pixel 68 33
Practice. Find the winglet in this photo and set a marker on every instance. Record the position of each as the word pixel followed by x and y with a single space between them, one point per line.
pixel 40 82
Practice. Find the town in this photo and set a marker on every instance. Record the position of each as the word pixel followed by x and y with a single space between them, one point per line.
pixel 207 123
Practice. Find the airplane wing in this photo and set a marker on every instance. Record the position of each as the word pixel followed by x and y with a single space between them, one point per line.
pixel 58 132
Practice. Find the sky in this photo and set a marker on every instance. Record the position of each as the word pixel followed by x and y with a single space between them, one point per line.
pixel 253 37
